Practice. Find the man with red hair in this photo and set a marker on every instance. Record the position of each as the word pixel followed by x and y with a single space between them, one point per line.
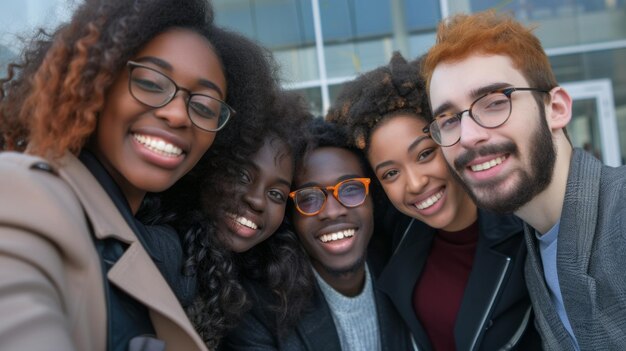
pixel 500 118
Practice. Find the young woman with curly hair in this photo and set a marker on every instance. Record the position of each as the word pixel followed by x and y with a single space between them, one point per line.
pixel 456 275
pixel 120 102
pixel 230 213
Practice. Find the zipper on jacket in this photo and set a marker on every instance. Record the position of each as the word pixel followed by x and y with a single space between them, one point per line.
pixel 406 231
pixel 491 303
pixel 415 348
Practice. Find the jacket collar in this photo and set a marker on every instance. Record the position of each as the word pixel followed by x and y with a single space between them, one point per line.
pixel 402 272
pixel 134 272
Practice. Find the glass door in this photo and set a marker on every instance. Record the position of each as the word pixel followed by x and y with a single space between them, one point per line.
pixel 594 126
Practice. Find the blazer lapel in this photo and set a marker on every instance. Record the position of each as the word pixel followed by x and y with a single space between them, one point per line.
pixel 399 277
pixel 317 328
pixel 549 323
pixel 576 236
pixel 134 272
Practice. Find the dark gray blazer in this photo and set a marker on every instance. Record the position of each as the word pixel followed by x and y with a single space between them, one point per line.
pixel 591 260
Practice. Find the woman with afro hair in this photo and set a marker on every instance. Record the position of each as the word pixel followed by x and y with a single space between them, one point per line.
pixel 121 101
pixel 456 273
pixel 230 212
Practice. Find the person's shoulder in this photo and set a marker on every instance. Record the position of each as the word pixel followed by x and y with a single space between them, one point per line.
pixel 614 178
pixel 34 197
pixel 17 168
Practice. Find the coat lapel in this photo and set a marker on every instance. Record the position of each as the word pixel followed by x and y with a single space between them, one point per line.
pixel 576 236
pixel 134 272
pixel 549 323
pixel 401 273
pixel 317 328
pixel 393 332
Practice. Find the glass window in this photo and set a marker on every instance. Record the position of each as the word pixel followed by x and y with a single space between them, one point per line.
pixel 274 23
pixel 362 35
pixel 566 22
pixel 283 26
pixel 597 65
pixel 337 19
pixel 422 15
pixel 314 97
pixel 236 15
pixel 333 92
pixel 372 17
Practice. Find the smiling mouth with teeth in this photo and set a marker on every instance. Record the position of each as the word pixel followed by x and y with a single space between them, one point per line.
pixel 243 221
pixel 430 201
pixel 487 165
pixel 158 146
pixel 337 236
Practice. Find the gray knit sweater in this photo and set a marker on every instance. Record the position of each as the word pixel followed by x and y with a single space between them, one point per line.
pixel 355 317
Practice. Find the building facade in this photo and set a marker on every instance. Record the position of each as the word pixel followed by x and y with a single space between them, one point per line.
pixel 320 44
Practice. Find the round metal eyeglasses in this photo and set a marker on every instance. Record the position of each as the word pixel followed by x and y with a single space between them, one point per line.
pixel 351 192
pixel 155 89
pixel 488 111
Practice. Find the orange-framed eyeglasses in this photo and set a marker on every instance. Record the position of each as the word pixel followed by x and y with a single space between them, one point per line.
pixel 351 192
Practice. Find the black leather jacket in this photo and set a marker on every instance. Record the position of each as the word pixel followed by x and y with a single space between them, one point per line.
pixel 495 312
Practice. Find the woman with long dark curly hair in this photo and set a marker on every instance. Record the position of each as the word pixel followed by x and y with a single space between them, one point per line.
pixel 230 213
pixel 456 275
pixel 120 102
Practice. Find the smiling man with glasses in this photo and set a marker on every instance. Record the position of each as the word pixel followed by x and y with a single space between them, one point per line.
pixel 333 216
pixel 500 118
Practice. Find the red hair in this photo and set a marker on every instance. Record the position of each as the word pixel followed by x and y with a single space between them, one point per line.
pixel 492 34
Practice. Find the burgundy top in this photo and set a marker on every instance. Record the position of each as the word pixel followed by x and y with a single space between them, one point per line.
pixel 438 293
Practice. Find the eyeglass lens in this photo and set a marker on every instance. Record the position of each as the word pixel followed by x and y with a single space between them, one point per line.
pixel 155 89
pixel 350 194
pixel 489 111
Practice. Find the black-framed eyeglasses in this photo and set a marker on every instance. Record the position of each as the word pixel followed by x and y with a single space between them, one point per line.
pixel 350 193
pixel 488 111
pixel 155 89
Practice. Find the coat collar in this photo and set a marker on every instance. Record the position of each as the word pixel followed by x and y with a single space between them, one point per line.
pixel 104 216
pixel 134 272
